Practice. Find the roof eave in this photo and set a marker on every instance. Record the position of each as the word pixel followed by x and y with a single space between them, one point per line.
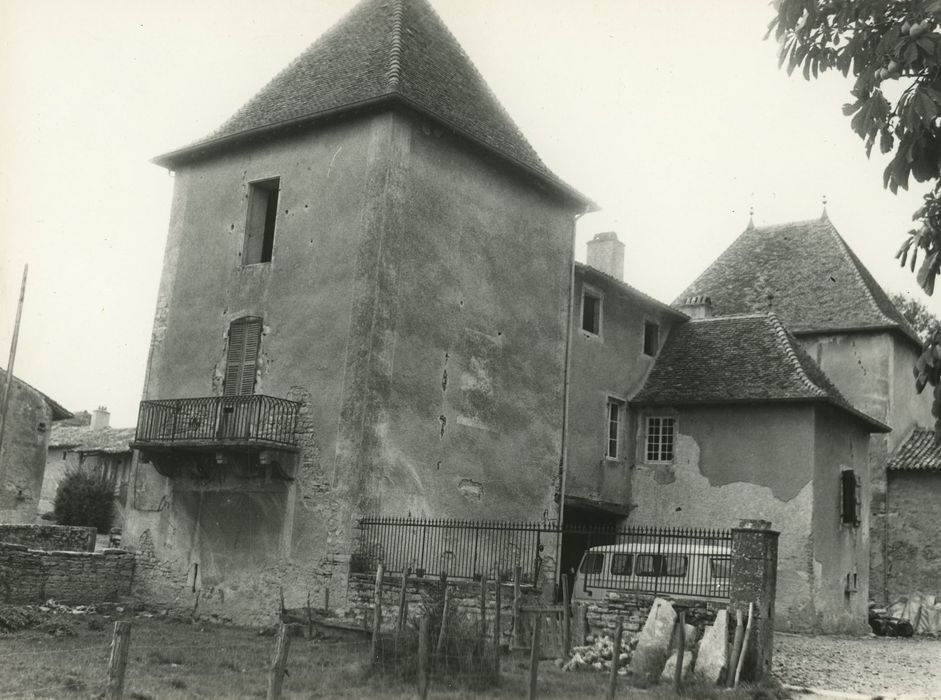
pixel 625 287
pixel 878 426
pixel 890 327
pixel 188 153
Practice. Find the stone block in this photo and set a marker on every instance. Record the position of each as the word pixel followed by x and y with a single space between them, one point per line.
pixel 712 659
pixel 669 669
pixel 653 643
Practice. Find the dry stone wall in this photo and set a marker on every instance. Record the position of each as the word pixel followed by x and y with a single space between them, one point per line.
pixel 51 538
pixel 77 578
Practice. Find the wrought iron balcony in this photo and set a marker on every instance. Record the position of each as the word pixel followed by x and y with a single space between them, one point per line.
pixel 217 422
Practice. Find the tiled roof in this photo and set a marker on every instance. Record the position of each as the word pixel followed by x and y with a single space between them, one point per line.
pixel 735 359
pixel 81 438
pixel 59 412
pixel 921 452
pixel 382 50
pixel 803 271
pixel 589 271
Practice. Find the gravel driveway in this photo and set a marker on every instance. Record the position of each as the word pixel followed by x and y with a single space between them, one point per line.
pixel 868 665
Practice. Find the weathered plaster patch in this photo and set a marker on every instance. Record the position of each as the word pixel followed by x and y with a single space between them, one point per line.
pixel 690 500
pixel 470 489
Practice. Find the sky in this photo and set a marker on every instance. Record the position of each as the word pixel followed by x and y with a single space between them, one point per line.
pixel 673 116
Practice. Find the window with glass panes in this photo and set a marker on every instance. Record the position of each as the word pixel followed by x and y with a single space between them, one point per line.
pixel 660 437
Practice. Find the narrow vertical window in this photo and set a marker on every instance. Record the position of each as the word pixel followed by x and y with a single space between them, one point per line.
pixel 660 434
pixel 591 312
pixel 651 338
pixel 262 214
pixel 612 443
pixel 850 487
pixel 242 357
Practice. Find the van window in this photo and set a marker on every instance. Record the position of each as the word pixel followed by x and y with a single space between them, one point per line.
pixel 621 564
pixel 661 565
pixel 592 563
pixel 721 568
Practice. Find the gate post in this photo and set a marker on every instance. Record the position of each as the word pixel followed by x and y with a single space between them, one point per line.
pixel 753 581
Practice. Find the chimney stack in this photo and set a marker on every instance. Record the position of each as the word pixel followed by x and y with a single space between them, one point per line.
pixel 100 418
pixel 699 306
pixel 606 253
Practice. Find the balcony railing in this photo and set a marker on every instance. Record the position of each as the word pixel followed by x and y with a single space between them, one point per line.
pixel 216 421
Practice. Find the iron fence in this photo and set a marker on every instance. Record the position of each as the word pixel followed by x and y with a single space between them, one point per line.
pixel 685 562
pixel 463 549
pixel 251 419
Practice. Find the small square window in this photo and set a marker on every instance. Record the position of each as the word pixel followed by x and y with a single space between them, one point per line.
pixel 651 338
pixel 621 564
pixel 262 215
pixel 661 432
pixel 591 312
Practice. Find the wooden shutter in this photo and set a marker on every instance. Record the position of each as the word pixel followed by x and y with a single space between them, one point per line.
pixel 242 358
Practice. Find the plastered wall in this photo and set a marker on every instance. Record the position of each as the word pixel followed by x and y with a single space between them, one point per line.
pixel 26 434
pixel 399 310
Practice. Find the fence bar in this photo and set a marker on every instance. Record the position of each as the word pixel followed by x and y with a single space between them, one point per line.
pixel 424 662
pixel 117 664
pixel 279 663
pixel 497 629
pixel 680 649
pixel 377 612
pixel 534 656
pixel 615 660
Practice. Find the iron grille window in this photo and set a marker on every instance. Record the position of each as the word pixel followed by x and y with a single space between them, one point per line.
pixel 850 487
pixel 660 438
pixel 612 442
pixel 242 356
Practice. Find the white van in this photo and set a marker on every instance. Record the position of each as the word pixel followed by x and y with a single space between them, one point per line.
pixel 683 569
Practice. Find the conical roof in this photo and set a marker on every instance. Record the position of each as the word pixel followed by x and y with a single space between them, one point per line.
pixel 806 274
pixel 381 51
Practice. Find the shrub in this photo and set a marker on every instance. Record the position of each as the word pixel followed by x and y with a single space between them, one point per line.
pixel 85 498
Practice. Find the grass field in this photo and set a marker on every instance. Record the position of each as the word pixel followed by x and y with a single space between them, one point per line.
pixel 66 655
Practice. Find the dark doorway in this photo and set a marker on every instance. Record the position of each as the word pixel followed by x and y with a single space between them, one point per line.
pixel 582 528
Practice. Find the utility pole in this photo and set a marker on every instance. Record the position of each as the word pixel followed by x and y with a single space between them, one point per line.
pixel 9 382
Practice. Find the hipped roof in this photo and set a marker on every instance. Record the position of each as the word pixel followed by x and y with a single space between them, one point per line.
pixel 740 359
pixel 382 52
pixel 805 273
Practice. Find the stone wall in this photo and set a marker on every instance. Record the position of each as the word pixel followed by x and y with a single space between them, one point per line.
pixel 50 538
pixel 420 593
pixel 914 533
pixel 632 609
pixel 32 575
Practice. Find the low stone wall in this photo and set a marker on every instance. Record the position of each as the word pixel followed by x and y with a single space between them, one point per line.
pixel 604 614
pixel 76 578
pixel 419 592
pixel 50 538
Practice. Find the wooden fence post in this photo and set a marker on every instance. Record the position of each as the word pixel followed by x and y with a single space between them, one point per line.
pixel 566 616
pixel 534 656
pixel 615 660
pixel 483 605
pixel 279 663
pixel 517 627
pixel 403 602
pixel 680 650
pixel 424 662
pixel 377 612
pixel 497 631
pixel 117 665
pixel 736 648
pixel 442 633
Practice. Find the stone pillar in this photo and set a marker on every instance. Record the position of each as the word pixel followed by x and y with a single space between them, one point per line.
pixel 753 580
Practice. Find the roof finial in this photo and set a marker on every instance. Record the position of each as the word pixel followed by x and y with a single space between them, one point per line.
pixel 751 217
pixel 824 215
